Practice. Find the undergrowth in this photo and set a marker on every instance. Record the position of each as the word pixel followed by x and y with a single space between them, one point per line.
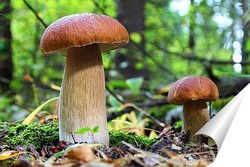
pixel 33 133
pixel 48 135
pixel 116 138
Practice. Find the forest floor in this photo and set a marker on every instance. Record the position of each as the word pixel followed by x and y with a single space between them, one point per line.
pixel 39 147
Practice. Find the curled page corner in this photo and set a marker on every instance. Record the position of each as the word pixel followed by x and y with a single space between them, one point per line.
pixel 229 128
pixel 218 126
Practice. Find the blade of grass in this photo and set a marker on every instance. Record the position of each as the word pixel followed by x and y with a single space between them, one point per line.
pixel 32 115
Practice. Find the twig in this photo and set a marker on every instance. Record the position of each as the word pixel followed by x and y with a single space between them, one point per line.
pixel 128 109
pixel 153 156
pixel 139 128
pixel 159 123
pixel 163 68
pixel 114 95
pixel 35 13
pixel 200 59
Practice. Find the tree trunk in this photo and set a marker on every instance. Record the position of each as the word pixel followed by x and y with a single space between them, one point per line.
pixel 131 15
pixel 246 30
pixel 6 66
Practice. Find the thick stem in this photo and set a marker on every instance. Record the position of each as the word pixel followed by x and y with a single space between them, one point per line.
pixel 195 116
pixel 82 97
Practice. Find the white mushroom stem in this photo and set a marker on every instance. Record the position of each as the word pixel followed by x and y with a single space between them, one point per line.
pixel 195 116
pixel 82 97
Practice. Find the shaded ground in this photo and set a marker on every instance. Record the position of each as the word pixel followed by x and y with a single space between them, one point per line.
pixel 37 146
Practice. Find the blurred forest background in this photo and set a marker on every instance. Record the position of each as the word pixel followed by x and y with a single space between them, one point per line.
pixel 169 39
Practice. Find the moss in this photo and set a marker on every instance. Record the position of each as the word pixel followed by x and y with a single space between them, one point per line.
pixel 33 133
pixel 116 138
pixel 5 163
pixel 48 134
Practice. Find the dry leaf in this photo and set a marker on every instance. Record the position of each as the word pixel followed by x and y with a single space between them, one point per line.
pixel 167 131
pixel 9 154
pixel 81 153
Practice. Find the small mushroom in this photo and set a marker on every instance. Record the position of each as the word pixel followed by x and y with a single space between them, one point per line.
pixel 82 38
pixel 193 92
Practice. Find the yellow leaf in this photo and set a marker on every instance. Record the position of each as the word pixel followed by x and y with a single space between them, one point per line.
pixel 8 154
pixel 153 135
pixel 32 115
pixel 163 89
pixel 55 87
pixel 133 118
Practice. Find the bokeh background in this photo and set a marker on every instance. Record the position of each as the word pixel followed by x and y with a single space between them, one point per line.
pixel 169 39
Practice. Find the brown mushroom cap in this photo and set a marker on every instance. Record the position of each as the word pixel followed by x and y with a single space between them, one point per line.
pixel 192 88
pixel 83 29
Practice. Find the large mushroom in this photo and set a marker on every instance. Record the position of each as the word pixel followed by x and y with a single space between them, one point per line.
pixel 82 38
pixel 193 92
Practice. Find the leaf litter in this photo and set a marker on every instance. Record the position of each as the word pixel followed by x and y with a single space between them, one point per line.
pixel 170 149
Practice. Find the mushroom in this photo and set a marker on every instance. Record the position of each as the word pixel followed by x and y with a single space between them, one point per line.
pixel 82 38
pixel 193 92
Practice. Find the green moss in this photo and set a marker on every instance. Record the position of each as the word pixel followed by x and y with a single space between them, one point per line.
pixel 116 138
pixel 48 134
pixel 7 162
pixel 33 133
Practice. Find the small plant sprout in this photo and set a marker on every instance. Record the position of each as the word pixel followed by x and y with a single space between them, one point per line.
pixel 87 129
pixel 84 130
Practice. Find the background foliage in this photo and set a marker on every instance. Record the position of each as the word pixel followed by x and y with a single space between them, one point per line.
pixel 179 38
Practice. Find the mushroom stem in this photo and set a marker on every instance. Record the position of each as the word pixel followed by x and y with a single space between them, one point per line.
pixel 195 116
pixel 82 97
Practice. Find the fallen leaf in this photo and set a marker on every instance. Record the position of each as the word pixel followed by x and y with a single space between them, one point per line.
pixel 175 147
pixel 81 153
pixel 9 154
pixel 167 131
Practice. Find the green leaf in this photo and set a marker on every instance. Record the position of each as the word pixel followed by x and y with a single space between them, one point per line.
pixel 37 67
pixel 135 84
pixel 248 45
pixel 233 73
pixel 117 84
pixel 95 129
pixel 136 37
pixel 178 125
pixel 114 102
pixel 115 105
pixel 139 65
pixel 58 154
pixel 83 130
